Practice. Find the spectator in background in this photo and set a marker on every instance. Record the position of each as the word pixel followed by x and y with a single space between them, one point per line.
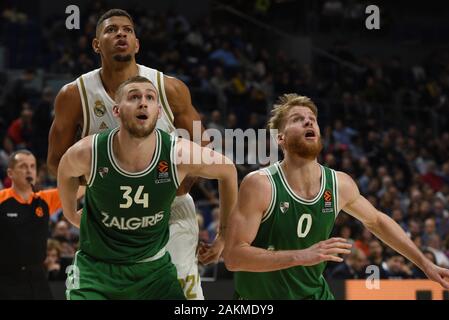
pixel 434 245
pixel 375 252
pixel 52 262
pixel 431 177
pixel 42 118
pixel 21 130
pixel 343 135
pixel 417 273
pixel 363 241
pixel 203 234
pixel 353 267
pixel 215 122
pixel 212 229
pixel 395 267
pixel 17 92
pixel 429 230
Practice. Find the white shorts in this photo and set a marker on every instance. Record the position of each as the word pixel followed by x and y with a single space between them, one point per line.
pixel 182 245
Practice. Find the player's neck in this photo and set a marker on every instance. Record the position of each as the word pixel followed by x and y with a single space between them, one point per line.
pixel 133 154
pixel 25 192
pixel 113 73
pixel 301 173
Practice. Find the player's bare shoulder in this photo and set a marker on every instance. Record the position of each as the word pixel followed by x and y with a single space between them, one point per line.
pixel 347 188
pixel 256 190
pixel 68 102
pixel 178 94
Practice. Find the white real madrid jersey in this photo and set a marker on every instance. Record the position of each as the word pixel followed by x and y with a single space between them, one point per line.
pixel 97 104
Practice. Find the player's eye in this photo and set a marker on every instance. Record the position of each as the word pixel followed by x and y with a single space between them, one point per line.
pixel 135 96
pixel 150 97
pixel 129 30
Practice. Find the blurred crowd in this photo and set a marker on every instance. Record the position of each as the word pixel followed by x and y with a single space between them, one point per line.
pixel 384 123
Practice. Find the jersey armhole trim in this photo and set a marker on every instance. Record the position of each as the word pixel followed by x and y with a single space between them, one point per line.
pixel 163 97
pixel 173 160
pixel 270 209
pixel 93 163
pixel 335 186
pixel 85 106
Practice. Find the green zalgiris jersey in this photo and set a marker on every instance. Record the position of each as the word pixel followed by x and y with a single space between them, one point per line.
pixel 292 223
pixel 125 216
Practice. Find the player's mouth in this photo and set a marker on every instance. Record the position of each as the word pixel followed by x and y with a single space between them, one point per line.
pixel 310 134
pixel 142 117
pixel 122 44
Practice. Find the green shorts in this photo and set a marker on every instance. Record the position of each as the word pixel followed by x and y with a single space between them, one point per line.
pixel 90 279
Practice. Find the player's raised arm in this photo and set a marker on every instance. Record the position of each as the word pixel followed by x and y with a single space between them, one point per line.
pixel 386 229
pixel 197 161
pixel 253 202
pixel 63 131
pixel 76 162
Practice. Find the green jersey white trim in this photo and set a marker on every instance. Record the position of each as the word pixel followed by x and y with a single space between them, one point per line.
pixel 125 173
pixel 272 205
pixel 93 162
pixel 174 167
pixel 294 195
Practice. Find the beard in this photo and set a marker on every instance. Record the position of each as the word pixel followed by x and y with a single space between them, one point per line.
pixel 307 150
pixel 123 58
pixel 137 131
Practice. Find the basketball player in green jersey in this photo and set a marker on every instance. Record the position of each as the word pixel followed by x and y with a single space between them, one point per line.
pixel 85 107
pixel 278 235
pixel 133 173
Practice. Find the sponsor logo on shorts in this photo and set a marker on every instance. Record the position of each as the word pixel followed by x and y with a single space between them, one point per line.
pixel 131 223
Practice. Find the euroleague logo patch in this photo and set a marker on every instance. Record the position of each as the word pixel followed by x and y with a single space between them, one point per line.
pixel 163 175
pixel 327 202
pixel 162 167
pixel 327 196
pixel 39 212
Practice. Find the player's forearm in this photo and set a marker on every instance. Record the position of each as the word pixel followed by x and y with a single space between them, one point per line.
pixel 227 188
pixel 52 164
pixel 186 185
pixel 392 234
pixel 253 259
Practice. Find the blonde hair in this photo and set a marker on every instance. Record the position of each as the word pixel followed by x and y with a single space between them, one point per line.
pixel 284 104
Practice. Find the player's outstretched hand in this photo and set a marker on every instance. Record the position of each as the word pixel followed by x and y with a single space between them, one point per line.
pixel 437 274
pixel 210 253
pixel 324 251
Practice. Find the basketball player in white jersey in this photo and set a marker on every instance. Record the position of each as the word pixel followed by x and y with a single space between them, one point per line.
pixel 86 105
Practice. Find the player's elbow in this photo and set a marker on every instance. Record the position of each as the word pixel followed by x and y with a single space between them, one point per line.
pixel 374 223
pixel 231 258
pixel 230 262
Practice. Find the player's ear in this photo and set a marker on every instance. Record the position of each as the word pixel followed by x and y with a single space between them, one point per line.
pixel 159 111
pixel 96 45
pixel 9 172
pixel 116 110
pixel 280 138
pixel 137 46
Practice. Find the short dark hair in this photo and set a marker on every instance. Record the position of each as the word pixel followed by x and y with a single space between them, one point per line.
pixel 12 158
pixel 113 13
pixel 135 79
